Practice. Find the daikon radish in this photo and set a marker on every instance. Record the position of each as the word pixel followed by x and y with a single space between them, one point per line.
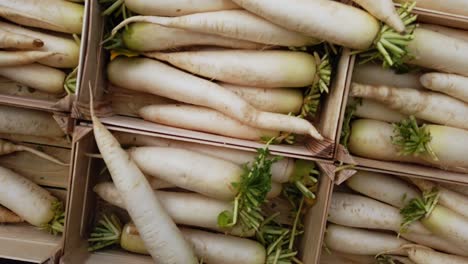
pixel 8 148
pixel 21 121
pixel 16 58
pixel 359 211
pixel 430 106
pixel 360 241
pixel 281 100
pixel 235 24
pixel 184 208
pixel 153 37
pixel 385 11
pixel 177 7
pixel 18 41
pixel 37 207
pixel 421 255
pixel 56 15
pixel 452 58
pixel 451 32
pixel 267 69
pixel 450 84
pixel 190 170
pixel 382 187
pixel 202 119
pixel 162 238
pixel 37 76
pixel 436 243
pixel 444 148
pixel 155 77
pixel 366 108
pixel 67 51
pixel 375 74
pixel 281 170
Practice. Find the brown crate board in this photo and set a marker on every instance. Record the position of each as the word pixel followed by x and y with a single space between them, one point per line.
pixel 15 94
pixel 94 76
pixel 83 203
pixel 342 187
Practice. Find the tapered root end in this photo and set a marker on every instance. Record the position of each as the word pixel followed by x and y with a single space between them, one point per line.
pixel 315 134
pixel 38 43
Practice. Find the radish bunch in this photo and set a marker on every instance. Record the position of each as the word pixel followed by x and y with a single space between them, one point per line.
pixel 417 117
pixel 228 71
pixel 45 59
pixel 221 190
pixel 426 221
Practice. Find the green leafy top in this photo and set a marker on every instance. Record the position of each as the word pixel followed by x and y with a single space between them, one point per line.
pixel 106 233
pixel 412 139
pixel 390 46
pixel 349 116
pixel 55 226
pixel 419 208
pixel 252 189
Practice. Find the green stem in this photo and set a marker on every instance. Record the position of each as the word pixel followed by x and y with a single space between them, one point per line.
pixel 106 233
pixel 419 208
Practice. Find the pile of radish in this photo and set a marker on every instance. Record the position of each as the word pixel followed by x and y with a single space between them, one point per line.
pixel 416 116
pixel 22 200
pixel 191 203
pixel 40 44
pixel 381 218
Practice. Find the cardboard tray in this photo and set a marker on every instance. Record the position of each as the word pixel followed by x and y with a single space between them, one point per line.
pixel 25 242
pixel 94 76
pixel 83 202
pixel 15 94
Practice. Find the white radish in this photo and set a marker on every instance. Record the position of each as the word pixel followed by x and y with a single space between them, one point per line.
pixel 177 7
pixel 161 236
pixel 56 15
pixel 360 241
pixel 436 243
pixel 328 20
pixel 155 77
pixel 422 255
pixel 359 211
pixel 430 106
pixel 280 100
pixel 211 247
pixel 184 208
pixel 153 37
pixel 366 108
pixel 37 205
pixel 267 69
pixel 235 24
pixel 384 188
pixel 280 170
pixel 190 170
pixel 66 50
pixel 451 58
pixel 373 139
pixel 450 84
pixel 451 32
pixel 37 76
pixel 8 148
pixel 202 119
pixel 385 11
pixel 459 7
pixel 15 58
pixel 375 74
pixel 18 41
pixel 22 121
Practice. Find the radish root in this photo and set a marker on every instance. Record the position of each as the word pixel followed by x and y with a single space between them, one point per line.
pixel 8 148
